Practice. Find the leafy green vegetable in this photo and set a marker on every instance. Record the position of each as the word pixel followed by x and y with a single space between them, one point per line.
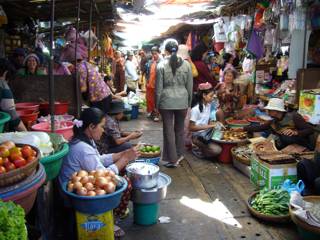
pixel 12 222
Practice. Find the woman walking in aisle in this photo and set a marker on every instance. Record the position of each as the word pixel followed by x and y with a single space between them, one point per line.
pixel 173 97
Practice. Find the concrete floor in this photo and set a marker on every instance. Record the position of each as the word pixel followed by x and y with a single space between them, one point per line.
pixel 206 200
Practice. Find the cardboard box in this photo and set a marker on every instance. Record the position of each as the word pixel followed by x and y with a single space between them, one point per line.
pixel 309 105
pixel 95 227
pixel 271 176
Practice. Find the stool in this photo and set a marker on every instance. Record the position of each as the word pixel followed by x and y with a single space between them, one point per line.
pixel 225 155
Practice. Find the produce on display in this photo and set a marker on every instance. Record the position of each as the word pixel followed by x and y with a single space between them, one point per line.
pixel 244 152
pixel 13 157
pixel 273 202
pixel 94 183
pixel 12 222
pixel 234 136
pixel 150 149
pixel 40 140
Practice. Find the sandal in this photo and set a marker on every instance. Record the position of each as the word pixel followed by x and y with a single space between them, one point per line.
pixel 118 232
pixel 126 214
pixel 171 165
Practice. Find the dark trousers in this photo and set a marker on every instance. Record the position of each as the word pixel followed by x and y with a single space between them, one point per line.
pixel 119 148
pixel 103 105
pixel 173 134
pixel 288 140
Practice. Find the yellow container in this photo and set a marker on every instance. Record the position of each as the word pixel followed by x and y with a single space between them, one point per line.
pixel 95 226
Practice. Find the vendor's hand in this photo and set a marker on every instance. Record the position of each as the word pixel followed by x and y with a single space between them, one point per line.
pixel 131 154
pixel 135 134
pixel 288 132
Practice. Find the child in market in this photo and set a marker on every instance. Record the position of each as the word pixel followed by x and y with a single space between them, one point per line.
pixel 228 94
pixel 203 120
pixel 115 140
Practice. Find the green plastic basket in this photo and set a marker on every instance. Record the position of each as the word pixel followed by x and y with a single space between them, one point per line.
pixel 4 118
pixel 52 163
pixel 145 214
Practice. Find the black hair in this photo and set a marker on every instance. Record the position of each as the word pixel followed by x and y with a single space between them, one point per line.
pixel 88 116
pixel 199 98
pixel 5 66
pixel 155 48
pixel 172 47
pixel 107 78
pixel 198 51
pixel 226 59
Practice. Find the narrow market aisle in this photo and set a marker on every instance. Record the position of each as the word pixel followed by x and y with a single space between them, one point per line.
pixel 205 200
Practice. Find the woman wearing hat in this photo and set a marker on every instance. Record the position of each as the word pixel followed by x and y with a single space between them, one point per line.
pixel 289 128
pixel 173 97
pixel 114 140
pixel 31 66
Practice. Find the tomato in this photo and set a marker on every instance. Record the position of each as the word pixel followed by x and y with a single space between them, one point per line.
pixel 15 150
pixel 5 160
pixel 31 158
pixel 34 153
pixel 4 152
pixel 14 156
pixel 9 166
pixel 19 162
pixel 26 151
pixel 1 161
pixel 2 169
pixel 8 144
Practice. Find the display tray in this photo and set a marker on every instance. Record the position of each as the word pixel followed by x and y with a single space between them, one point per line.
pixel 302 224
pixel 231 142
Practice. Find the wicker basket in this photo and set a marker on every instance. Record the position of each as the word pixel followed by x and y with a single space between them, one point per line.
pixel 149 155
pixel 238 158
pixel 265 217
pixel 305 226
pixel 19 174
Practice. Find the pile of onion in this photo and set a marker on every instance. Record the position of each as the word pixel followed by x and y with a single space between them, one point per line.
pixel 94 183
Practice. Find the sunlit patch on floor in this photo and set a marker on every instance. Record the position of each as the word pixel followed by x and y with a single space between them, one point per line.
pixel 216 210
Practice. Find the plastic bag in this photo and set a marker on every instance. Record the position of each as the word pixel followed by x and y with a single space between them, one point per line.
pixel 291 187
pixel 220 31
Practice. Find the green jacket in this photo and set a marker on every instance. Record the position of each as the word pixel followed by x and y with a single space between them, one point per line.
pixel 22 72
pixel 173 92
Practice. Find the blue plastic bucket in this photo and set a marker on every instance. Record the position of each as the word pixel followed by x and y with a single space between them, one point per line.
pixel 145 214
pixel 96 204
pixel 135 111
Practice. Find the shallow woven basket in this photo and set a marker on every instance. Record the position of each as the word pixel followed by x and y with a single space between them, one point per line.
pixel 302 224
pixel 265 217
pixel 238 158
pixel 19 174
pixel 150 155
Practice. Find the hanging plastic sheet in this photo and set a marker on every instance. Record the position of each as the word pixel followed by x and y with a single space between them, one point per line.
pixel 255 45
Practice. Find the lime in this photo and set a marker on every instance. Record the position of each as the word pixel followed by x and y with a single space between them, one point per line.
pixel 148 148
pixel 154 148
